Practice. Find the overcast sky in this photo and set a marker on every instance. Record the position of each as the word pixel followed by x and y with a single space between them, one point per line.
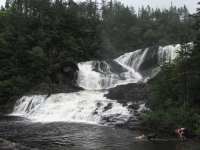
pixel 190 4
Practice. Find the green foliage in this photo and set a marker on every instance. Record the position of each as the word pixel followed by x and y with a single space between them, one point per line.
pixel 38 66
pixel 149 37
pixel 65 59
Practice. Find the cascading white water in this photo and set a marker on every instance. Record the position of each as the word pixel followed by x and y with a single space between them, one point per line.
pixel 104 79
pixel 133 59
pixel 168 53
pixel 137 58
pixel 92 106
pixel 88 106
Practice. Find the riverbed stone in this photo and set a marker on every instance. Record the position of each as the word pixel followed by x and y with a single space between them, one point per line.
pixel 7 144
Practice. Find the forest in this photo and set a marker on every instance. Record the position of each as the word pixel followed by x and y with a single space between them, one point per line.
pixel 40 37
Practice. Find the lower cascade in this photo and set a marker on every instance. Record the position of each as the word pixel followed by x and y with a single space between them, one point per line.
pixel 89 106
pixel 96 77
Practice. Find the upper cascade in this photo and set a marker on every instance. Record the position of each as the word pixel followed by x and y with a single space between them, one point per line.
pixel 146 61
pixel 133 67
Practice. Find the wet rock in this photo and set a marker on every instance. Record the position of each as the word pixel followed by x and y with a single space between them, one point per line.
pixel 120 125
pixel 109 106
pixel 7 144
pixel 131 96
pixel 48 89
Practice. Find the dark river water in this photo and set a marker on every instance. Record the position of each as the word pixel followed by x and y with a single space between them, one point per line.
pixel 80 136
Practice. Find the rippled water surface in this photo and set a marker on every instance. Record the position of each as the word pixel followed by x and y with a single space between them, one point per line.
pixel 79 136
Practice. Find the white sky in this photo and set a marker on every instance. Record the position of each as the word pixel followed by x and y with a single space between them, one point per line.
pixel 190 4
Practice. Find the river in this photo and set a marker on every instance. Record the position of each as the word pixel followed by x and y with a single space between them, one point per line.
pixel 80 136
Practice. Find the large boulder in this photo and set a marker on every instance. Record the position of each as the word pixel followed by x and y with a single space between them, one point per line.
pixel 130 93
pixel 132 96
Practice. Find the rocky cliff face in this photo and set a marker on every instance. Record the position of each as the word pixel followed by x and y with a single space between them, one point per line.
pixel 63 75
pixel 132 95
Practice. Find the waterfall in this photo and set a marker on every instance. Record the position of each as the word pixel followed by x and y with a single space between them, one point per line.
pixel 95 75
pixel 87 106
pixel 90 105
pixel 147 61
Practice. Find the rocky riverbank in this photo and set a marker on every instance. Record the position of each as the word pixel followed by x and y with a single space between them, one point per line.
pixel 132 95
